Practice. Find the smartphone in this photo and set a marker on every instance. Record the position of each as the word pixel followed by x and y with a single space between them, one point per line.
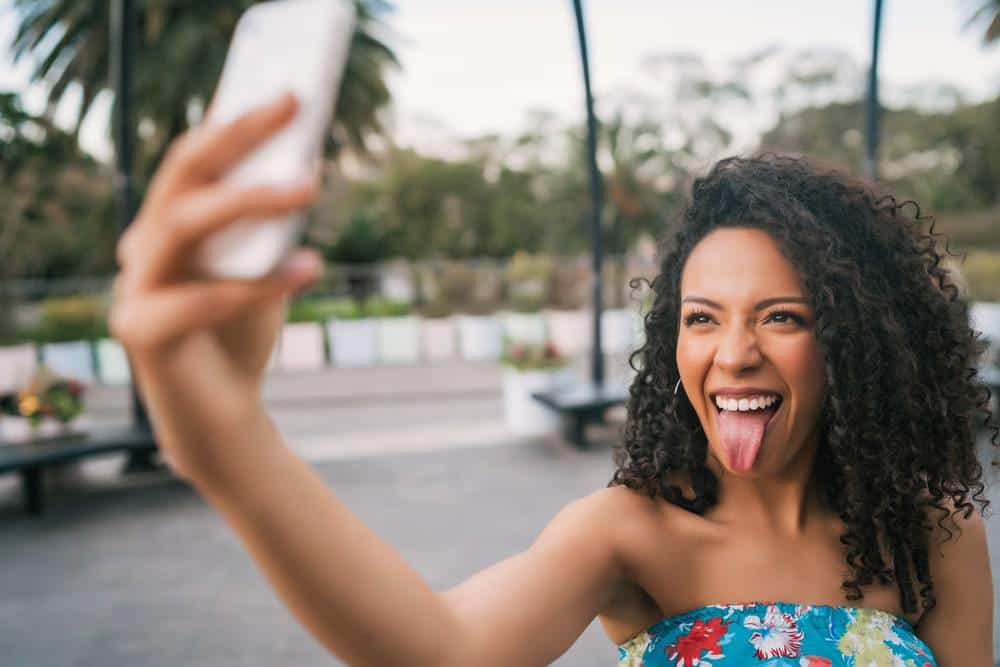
pixel 281 45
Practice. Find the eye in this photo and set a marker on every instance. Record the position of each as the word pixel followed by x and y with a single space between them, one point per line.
pixel 690 318
pixel 786 314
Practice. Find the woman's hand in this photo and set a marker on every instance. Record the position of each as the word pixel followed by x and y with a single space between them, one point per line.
pixel 199 347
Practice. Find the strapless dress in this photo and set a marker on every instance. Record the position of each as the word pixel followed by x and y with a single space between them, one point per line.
pixel 777 633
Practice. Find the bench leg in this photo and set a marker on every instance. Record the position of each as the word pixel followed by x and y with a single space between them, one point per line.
pixel 575 431
pixel 31 485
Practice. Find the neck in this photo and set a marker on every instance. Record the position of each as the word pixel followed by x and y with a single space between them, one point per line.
pixel 785 503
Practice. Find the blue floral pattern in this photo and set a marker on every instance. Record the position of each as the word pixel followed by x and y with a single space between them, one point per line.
pixel 777 633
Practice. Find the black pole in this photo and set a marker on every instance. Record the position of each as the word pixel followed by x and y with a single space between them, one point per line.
pixel 597 202
pixel 122 39
pixel 873 110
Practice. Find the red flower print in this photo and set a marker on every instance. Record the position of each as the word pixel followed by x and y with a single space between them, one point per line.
pixel 815 661
pixel 702 637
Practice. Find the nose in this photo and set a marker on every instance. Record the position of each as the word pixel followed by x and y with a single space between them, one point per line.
pixel 738 350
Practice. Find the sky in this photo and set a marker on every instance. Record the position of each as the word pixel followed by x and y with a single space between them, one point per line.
pixel 476 66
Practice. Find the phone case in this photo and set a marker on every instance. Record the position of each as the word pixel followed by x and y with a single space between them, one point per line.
pixel 282 45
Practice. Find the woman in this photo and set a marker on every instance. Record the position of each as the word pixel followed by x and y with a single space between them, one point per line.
pixel 800 431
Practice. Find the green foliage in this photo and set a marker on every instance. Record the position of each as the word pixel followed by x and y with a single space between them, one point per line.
pixel 529 281
pixel 180 52
pixel 69 319
pixel 362 241
pixel 982 274
pixel 323 309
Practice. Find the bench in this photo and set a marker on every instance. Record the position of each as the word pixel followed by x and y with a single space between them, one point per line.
pixel 30 459
pixel 582 404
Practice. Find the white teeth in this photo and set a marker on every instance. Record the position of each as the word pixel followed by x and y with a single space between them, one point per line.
pixel 745 404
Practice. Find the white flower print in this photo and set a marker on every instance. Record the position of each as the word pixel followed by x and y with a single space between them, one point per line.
pixel 776 636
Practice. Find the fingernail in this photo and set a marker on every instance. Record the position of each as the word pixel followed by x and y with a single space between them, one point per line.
pixel 299 266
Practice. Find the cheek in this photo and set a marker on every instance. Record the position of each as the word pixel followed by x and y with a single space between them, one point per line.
pixel 805 369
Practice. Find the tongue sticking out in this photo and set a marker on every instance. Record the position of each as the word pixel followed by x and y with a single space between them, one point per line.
pixel 742 434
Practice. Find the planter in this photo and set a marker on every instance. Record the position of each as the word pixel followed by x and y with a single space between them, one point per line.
pixel 398 339
pixel 523 327
pixel 438 338
pixel 570 330
pixel 479 337
pixel 71 360
pixel 523 415
pixel 112 363
pixel 617 331
pixel 353 343
pixel 302 347
pixel 17 364
pixel 18 430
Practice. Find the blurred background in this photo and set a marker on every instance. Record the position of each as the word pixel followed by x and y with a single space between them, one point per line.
pixel 454 224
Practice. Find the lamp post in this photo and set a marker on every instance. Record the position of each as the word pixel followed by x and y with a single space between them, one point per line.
pixel 872 106
pixel 122 40
pixel 596 200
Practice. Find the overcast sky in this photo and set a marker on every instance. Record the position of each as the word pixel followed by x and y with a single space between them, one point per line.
pixel 476 66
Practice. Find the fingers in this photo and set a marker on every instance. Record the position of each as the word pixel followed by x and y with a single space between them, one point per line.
pixel 207 151
pixel 146 320
pixel 162 244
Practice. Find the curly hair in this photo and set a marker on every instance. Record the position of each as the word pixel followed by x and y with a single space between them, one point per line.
pixel 898 423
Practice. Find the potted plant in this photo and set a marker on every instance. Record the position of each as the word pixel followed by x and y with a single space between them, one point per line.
pixel 438 335
pixel 472 290
pixel 397 330
pixel 530 368
pixel 529 280
pixel 352 335
pixel 46 406
pixel 302 345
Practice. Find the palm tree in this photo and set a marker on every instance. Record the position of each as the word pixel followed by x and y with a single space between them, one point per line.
pixel 988 13
pixel 182 46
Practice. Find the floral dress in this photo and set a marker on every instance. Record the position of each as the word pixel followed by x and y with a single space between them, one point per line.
pixel 777 633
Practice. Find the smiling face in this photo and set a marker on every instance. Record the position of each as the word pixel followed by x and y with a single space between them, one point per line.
pixel 745 322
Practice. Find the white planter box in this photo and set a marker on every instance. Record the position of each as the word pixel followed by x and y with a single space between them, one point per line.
pixel 399 339
pixel 617 331
pixel 438 338
pixel 112 362
pixel 570 330
pixel 523 327
pixel 353 343
pixel 523 415
pixel 17 430
pixel 302 347
pixel 479 337
pixel 72 360
pixel 17 364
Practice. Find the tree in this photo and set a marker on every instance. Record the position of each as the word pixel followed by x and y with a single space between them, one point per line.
pixel 182 46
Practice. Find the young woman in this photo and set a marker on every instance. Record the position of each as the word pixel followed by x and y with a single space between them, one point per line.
pixel 797 485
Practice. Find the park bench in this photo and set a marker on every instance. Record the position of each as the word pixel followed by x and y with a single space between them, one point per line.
pixel 30 459
pixel 582 404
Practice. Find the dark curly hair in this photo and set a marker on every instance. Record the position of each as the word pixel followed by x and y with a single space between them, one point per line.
pixel 898 424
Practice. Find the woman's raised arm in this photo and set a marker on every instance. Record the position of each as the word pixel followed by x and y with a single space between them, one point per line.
pixel 199 349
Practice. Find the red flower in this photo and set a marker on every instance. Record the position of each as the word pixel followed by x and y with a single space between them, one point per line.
pixel 815 661
pixel 702 637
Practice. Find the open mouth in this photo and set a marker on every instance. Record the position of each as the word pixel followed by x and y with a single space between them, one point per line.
pixel 771 409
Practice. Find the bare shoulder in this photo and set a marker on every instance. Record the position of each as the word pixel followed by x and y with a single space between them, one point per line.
pixel 960 626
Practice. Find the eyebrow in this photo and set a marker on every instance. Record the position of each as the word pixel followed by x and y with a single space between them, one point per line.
pixel 761 304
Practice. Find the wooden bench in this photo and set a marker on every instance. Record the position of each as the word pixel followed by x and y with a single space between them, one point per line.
pixel 583 404
pixel 30 459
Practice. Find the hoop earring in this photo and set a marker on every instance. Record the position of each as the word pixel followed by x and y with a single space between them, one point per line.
pixel 676 386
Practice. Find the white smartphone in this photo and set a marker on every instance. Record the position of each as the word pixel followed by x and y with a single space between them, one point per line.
pixel 282 45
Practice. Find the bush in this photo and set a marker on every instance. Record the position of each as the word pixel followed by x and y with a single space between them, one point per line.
pixel 71 318
pixel 382 307
pixel 321 310
pixel 529 281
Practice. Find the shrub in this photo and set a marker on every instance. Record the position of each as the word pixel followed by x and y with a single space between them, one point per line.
pixel 71 318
